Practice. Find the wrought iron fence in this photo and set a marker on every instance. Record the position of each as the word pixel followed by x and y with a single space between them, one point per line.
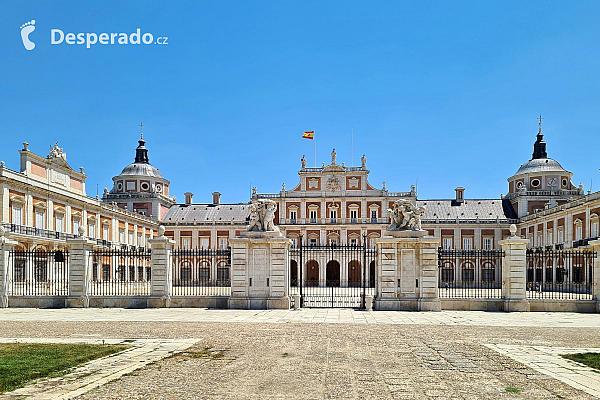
pixel 470 273
pixel 560 274
pixel 118 272
pixel 38 273
pixel 202 272
pixel 332 275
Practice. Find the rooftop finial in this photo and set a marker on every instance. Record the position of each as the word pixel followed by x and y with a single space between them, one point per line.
pixel 142 130
pixel 540 123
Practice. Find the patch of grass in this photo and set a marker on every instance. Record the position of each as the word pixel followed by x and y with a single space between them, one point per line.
pixel 21 363
pixel 513 390
pixel 592 360
pixel 207 352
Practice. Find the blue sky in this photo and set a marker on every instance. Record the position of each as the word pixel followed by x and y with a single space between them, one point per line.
pixel 444 92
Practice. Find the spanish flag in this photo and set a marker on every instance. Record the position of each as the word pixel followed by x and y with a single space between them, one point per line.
pixel 309 135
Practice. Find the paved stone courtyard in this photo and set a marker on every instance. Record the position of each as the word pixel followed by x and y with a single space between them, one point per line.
pixel 318 354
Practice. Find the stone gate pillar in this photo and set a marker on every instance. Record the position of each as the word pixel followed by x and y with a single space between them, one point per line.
pixel 259 272
pixel 6 245
pixel 161 270
pixel 407 271
pixel 259 262
pixel 514 272
pixel 595 244
pixel 80 271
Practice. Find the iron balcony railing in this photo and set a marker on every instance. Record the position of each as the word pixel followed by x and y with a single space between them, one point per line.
pixel 332 221
pixel 32 231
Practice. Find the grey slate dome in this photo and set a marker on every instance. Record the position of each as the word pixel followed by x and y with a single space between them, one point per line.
pixel 141 169
pixel 540 165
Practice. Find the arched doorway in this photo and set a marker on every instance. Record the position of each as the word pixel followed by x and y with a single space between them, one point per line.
pixel 372 274
pixel 293 273
pixel 354 274
pixel 312 273
pixel 332 275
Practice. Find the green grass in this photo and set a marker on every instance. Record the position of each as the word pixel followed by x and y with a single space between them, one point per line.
pixel 21 363
pixel 590 359
pixel 513 390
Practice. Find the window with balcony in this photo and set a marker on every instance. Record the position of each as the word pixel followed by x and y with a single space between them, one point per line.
pixel 40 217
pixel 293 216
pixel 354 215
pixel 312 214
pixel 373 215
pixel 17 214
pixel 333 216
pixel 60 221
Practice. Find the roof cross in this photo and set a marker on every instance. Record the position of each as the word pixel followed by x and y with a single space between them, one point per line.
pixel 540 119
pixel 142 129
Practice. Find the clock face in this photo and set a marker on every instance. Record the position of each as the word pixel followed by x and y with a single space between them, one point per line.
pixel 551 182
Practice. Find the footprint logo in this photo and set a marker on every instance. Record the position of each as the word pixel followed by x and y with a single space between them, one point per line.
pixel 26 29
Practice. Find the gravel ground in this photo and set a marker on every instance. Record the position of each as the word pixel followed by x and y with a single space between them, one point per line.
pixel 318 361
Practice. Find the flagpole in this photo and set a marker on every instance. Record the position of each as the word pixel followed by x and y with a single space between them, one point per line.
pixel 315 149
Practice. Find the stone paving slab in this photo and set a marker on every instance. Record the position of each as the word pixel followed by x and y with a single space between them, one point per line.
pixel 547 360
pixel 330 316
pixel 100 371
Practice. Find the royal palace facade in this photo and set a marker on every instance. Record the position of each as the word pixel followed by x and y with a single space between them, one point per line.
pixel 44 202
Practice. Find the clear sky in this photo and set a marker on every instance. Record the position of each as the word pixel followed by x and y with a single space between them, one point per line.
pixel 444 92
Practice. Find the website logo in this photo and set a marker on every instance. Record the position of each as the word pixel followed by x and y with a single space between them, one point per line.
pixel 26 29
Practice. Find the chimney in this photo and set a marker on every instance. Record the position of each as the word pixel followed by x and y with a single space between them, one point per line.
pixel 216 198
pixel 460 194
pixel 188 198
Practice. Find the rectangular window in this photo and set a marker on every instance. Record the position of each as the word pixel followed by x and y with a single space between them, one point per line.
pixel 372 242
pixel 76 226
pixel 294 243
pixel 122 235
pixel 594 229
pixel 17 215
pixel 312 242
pixel 105 232
pixel 467 243
pixel 204 242
pixel 540 242
pixel 488 243
pixel 130 237
pixel 447 243
pixel 333 215
pixel 353 242
pixel 293 215
pixel 313 216
pixel 550 243
pixel 139 240
pixel 222 243
pixel 92 230
pixel 39 219
pixel 578 232
pixel 354 215
pixel 60 219
pixel 186 243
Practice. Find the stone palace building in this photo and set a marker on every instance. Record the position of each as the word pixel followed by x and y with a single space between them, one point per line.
pixel 43 202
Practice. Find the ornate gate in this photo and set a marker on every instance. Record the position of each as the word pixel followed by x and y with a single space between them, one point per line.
pixel 332 275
